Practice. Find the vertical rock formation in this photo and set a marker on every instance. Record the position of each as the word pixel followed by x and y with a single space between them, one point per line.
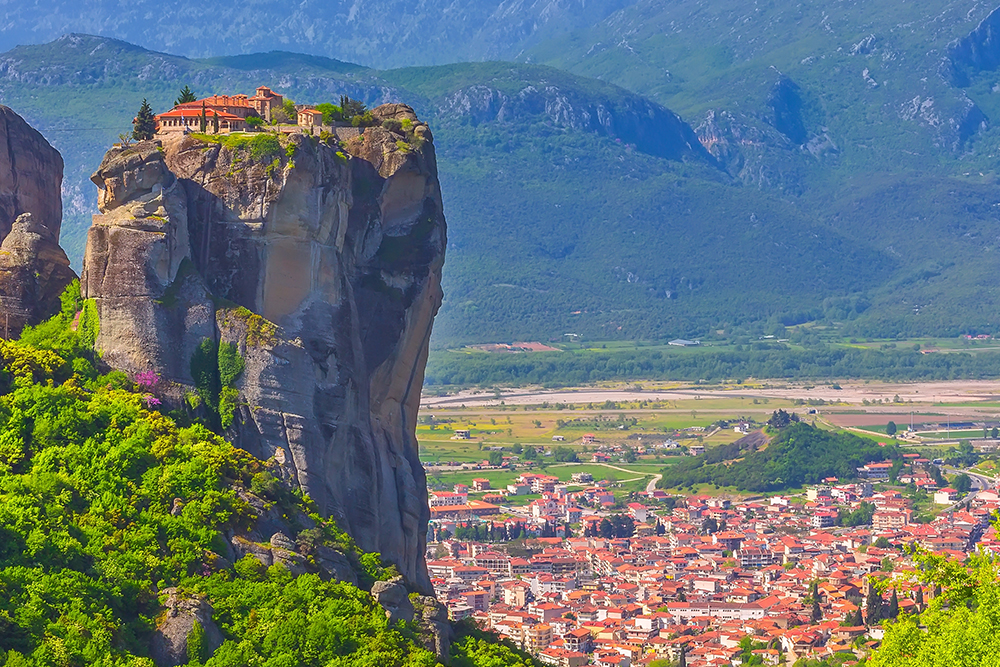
pixel 31 174
pixel 33 268
pixel 320 267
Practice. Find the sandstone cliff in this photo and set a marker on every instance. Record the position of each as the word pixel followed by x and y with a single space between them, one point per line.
pixel 289 286
pixel 33 268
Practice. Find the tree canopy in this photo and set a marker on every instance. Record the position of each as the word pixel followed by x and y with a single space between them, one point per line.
pixel 960 628
pixel 185 96
pixel 798 454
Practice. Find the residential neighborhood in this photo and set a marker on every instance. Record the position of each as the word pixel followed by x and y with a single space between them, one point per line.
pixel 710 578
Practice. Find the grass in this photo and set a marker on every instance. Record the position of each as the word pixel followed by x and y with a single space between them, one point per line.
pixel 261 146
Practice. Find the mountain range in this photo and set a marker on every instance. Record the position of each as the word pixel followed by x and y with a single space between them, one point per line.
pixel 644 170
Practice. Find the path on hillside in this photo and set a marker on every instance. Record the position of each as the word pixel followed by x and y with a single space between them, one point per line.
pixel 652 483
pixel 606 465
pixel 649 487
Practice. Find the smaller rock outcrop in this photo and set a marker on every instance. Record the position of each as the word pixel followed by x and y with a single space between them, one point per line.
pixel 270 540
pixel 170 645
pixel 394 598
pixel 34 271
pixel 33 268
pixel 428 615
pixel 436 630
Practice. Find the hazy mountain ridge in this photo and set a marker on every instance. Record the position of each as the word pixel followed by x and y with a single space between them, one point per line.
pixel 380 33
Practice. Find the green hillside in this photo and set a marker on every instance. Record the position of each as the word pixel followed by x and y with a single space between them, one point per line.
pixel 105 504
pixel 797 454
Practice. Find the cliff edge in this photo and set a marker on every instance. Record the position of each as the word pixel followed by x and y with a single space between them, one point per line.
pixel 285 287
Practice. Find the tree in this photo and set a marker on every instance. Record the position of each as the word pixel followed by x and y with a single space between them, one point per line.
pixel 144 125
pixel 496 458
pixel 331 113
pixel 882 543
pixel 994 433
pixel 351 108
pixel 873 604
pixel 607 530
pixel 893 610
pixel 185 96
pixel 961 627
pixel 890 428
pixel 817 612
pixel 202 124
pixel 254 121
pixel 781 419
pixel 962 483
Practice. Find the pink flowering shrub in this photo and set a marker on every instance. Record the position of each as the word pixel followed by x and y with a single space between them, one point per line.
pixel 147 379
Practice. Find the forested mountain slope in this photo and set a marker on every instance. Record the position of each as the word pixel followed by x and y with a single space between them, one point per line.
pixel 133 537
pixel 578 207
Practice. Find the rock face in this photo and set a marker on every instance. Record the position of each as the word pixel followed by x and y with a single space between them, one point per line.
pixel 33 268
pixel 320 265
pixel 34 271
pixel 170 640
pixel 393 597
pixel 31 174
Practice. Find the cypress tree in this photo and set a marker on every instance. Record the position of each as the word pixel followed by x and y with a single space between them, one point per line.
pixel 817 613
pixel 215 122
pixel 920 597
pixel 144 125
pixel 893 605
pixel 203 124
pixel 874 606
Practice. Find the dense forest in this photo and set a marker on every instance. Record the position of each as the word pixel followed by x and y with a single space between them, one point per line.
pixel 798 454
pixel 773 361
pixel 105 503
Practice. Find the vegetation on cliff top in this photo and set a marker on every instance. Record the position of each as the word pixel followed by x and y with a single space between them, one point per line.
pixel 105 503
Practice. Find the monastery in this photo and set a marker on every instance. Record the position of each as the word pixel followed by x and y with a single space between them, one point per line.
pixel 229 113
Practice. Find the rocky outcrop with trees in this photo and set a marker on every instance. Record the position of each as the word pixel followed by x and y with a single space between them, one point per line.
pixel 283 288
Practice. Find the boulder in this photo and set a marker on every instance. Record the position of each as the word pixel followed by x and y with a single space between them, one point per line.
pixel 435 627
pixel 174 626
pixel 393 596
pixel 34 271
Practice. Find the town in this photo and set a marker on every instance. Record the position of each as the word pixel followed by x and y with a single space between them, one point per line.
pixel 699 580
